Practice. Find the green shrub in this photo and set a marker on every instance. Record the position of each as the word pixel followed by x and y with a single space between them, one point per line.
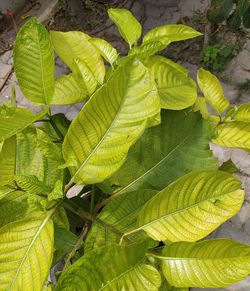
pixel 136 158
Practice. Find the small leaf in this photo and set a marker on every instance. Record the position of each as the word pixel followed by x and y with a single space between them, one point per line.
pixel 147 49
pixel 118 268
pixel 114 118
pixel 212 90
pixel 31 184
pixel 175 88
pixel 75 44
pixel 234 21
pixel 191 207
pixel 235 134
pixel 65 240
pixel 210 263
pixel 170 33
pixel 105 49
pixel 34 62
pixel 68 91
pixel 129 28
pixel 57 192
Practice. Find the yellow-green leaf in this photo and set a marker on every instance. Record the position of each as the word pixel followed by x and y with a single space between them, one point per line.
pixel 106 50
pixel 210 263
pixel 243 113
pixel 68 91
pixel 114 118
pixel 169 33
pixel 75 44
pixel 212 90
pixel 129 28
pixel 175 88
pixel 26 252
pixel 191 207
pixel 34 62
pixel 235 134
pixel 147 49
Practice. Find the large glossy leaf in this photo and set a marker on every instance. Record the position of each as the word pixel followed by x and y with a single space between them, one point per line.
pixel 192 207
pixel 164 153
pixel 243 113
pixel 210 263
pixel 235 134
pixel 175 88
pixel 13 120
pixel 68 90
pixel 7 161
pixel 34 62
pixel 212 90
pixel 112 268
pixel 129 28
pixel 118 217
pixel 75 44
pixel 114 118
pixel 105 49
pixel 169 33
pixel 26 252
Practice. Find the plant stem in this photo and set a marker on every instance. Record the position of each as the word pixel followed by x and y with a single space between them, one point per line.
pixel 56 129
pixel 78 244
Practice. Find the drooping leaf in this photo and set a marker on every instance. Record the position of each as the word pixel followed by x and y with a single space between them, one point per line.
pixel 7 161
pixel 68 91
pixel 212 90
pixel 164 153
pixel 191 207
pixel 243 113
pixel 211 263
pixel 75 44
pixel 118 268
pixel 26 252
pixel 13 120
pixel 229 167
pixel 113 119
pixel 170 33
pixel 118 217
pixel 175 88
pixel 106 50
pixel 235 134
pixel 129 28
pixel 34 62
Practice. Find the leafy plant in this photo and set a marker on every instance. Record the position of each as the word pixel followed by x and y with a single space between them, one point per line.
pixel 216 57
pixel 234 12
pixel 133 170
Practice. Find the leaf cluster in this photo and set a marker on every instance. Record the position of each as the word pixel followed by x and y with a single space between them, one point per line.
pixel 133 171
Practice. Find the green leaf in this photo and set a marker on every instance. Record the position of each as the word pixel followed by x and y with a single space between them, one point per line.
pixel 170 33
pixel 212 90
pixel 243 113
pixel 191 207
pixel 246 18
pixel 31 184
pixel 234 21
pixel 68 91
pixel 165 286
pixel 118 217
pixel 34 62
pixel 57 192
pixel 65 240
pixel 15 120
pixel 114 118
pixel 75 44
pixel 7 161
pixel 26 252
pixel 179 147
pixel 243 6
pixel 211 263
pixel 118 268
pixel 105 49
pixel 229 167
pixel 175 88
pixel 129 28
pixel 87 77
pixel 235 134
pixel 147 49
